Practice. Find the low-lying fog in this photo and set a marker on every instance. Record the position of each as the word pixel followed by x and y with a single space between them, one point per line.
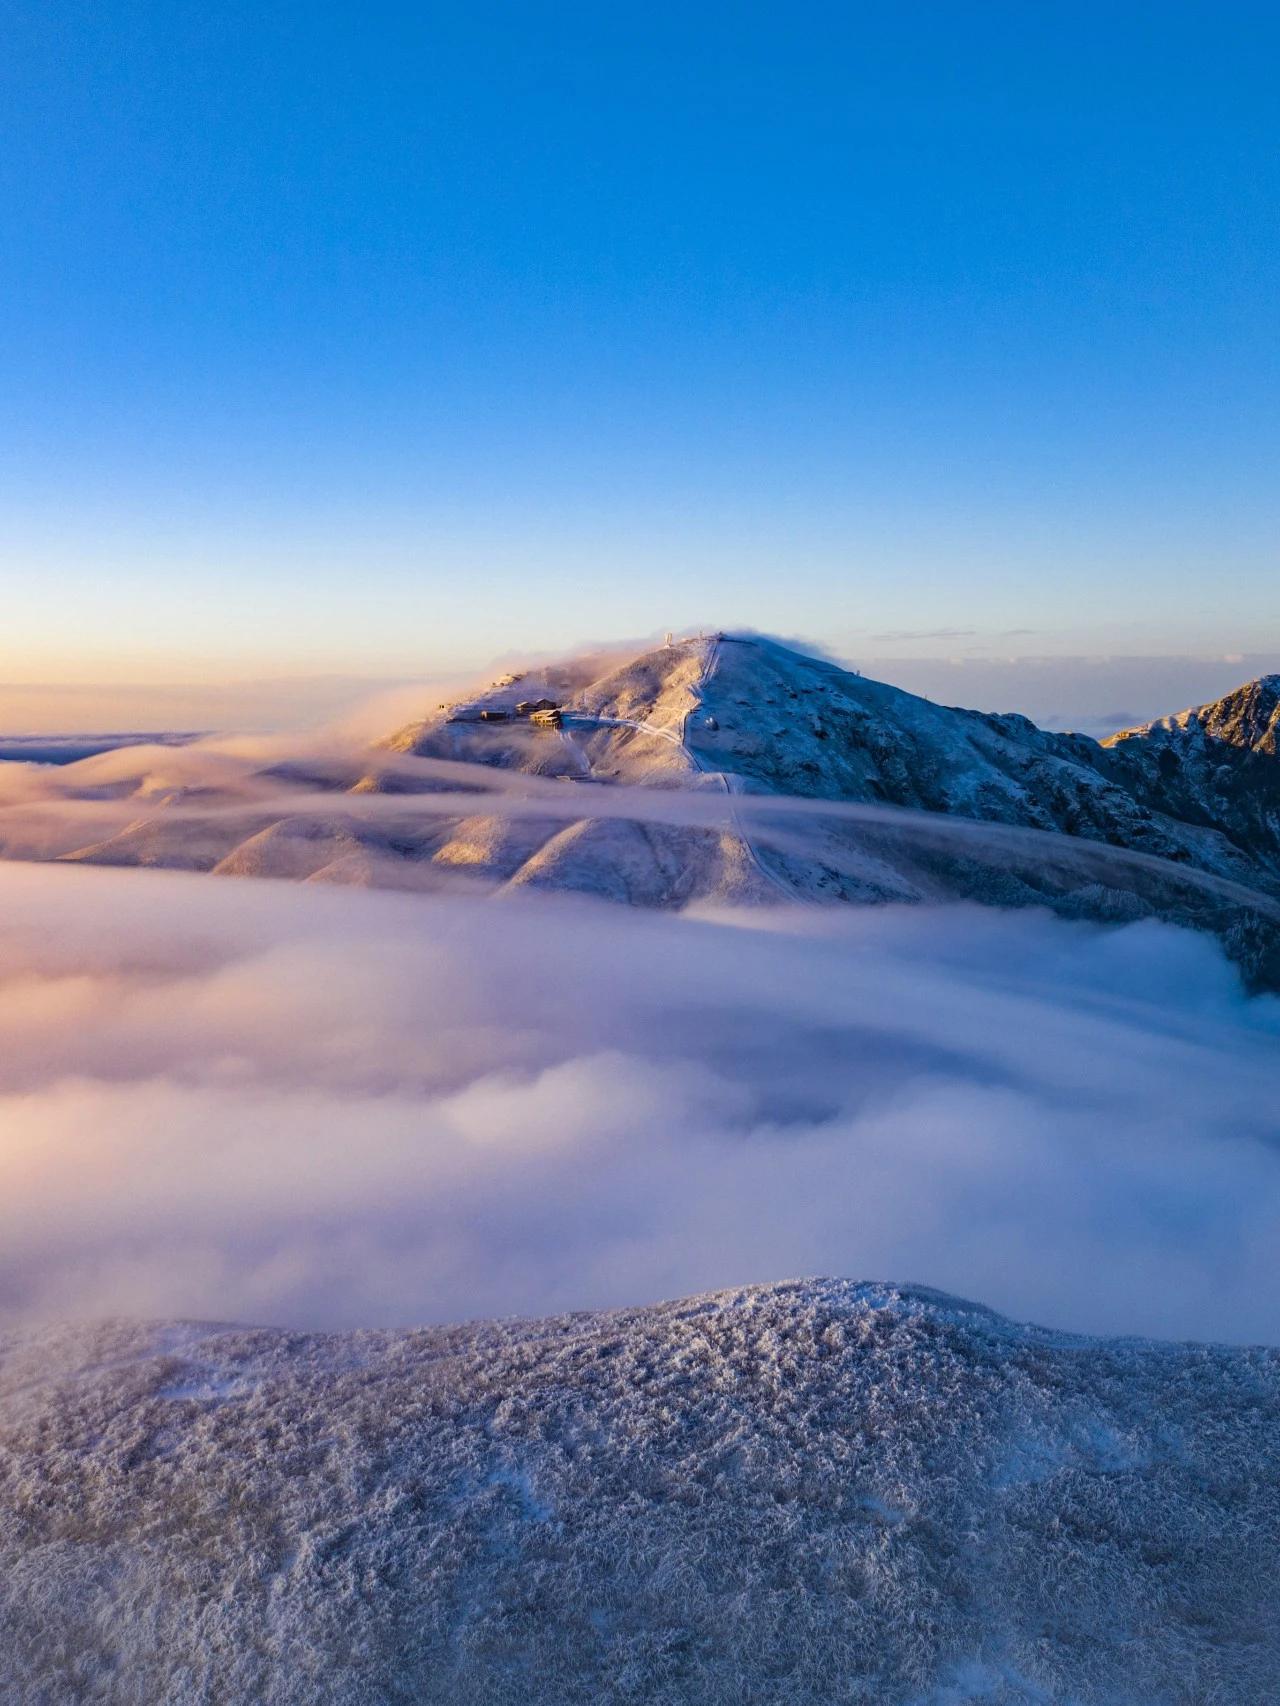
pixel 332 1107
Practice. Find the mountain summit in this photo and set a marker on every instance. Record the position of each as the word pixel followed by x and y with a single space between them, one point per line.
pixel 760 719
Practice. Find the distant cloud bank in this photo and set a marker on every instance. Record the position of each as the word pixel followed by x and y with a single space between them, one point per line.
pixel 232 707
pixel 1095 695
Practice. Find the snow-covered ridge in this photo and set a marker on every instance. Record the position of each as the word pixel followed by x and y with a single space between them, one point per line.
pixel 808 1492
pixel 1248 718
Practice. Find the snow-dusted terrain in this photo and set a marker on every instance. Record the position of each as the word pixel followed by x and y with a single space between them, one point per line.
pixel 655 789
pixel 813 1494
pixel 1217 765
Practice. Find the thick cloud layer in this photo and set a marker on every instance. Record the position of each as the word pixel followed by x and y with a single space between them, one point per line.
pixel 283 1104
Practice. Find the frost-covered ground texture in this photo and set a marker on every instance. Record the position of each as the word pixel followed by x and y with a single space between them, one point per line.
pixel 805 1494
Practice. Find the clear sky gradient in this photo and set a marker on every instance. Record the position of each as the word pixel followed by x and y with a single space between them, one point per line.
pixel 381 338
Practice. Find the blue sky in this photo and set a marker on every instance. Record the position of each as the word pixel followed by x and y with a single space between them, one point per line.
pixel 383 338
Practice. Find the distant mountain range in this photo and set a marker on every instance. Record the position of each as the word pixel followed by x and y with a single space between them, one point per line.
pixel 1190 805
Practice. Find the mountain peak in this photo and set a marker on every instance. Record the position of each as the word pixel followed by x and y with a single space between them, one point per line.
pixel 1246 718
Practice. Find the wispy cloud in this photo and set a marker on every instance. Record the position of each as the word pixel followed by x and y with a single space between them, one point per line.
pixel 904 634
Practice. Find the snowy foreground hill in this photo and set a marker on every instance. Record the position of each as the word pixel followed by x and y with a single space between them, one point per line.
pixel 819 1492
pixel 663 779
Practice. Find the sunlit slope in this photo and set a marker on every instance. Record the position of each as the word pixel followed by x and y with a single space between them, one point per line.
pixel 806 1493
pixel 624 722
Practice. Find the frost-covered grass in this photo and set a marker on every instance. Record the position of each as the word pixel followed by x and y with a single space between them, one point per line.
pixel 821 1492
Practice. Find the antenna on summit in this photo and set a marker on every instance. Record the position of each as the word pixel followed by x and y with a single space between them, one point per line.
pixel 670 641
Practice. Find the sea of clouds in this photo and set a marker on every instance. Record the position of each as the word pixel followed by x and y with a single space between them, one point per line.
pixel 278 1103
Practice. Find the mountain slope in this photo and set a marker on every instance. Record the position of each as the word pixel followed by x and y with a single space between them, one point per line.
pixel 625 725
pixel 804 1493
pixel 739 720
pixel 1216 765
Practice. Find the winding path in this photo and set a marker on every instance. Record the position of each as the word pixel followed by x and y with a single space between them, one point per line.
pixel 730 784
